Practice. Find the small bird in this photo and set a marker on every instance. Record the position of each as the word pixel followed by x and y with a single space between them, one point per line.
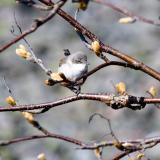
pixel 73 67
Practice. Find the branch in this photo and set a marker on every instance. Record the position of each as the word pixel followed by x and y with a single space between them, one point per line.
pixel 109 63
pixel 116 102
pixel 105 48
pixel 127 146
pixel 36 24
pixel 51 135
pixel 121 155
pixel 126 12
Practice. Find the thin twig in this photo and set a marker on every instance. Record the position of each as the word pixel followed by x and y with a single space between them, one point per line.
pixel 126 12
pixel 123 154
pixel 109 63
pixel 36 24
pixel 51 135
pixel 108 121
pixel 33 57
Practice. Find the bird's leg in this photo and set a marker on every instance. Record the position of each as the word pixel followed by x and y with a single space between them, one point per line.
pixel 84 79
pixel 75 89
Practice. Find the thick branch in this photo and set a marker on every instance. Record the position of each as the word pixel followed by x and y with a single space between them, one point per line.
pixel 116 102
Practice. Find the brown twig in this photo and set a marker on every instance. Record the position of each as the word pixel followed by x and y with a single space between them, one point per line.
pixel 110 63
pixel 46 2
pixel 130 146
pixel 122 155
pixel 36 24
pixel 51 135
pixel 116 102
pixel 126 12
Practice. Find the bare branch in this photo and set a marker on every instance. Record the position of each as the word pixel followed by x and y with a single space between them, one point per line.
pixel 122 155
pixel 126 12
pixel 51 135
pixel 109 63
pixel 129 146
pixel 116 102
pixel 36 24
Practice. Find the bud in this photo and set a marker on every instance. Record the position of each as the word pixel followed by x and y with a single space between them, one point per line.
pixel 95 46
pixel 22 52
pixel 10 100
pixel 121 88
pixel 28 116
pixel 49 82
pixel 83 5
pixel 127 20
pixel 139 156
pixel 153 91
pixel 56 76
pixel 127 145
pixel 98 153
pixel 41 156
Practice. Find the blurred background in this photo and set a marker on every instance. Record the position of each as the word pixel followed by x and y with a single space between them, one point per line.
pixel 26 80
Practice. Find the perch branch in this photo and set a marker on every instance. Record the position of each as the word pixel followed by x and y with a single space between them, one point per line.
pixel 116 102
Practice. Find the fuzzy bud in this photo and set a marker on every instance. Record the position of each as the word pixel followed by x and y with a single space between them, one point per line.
pixel 10 100
pixel 127 20
pixel 139 156
pixel 98 153
pixel 83 5
pixel 95 46
pixel 41 156
pixel 28 116
pixel 121 88
pixel 56 76
pixel 153 91
pixel 22 52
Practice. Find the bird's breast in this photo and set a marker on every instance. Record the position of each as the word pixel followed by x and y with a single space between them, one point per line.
pixel 73 71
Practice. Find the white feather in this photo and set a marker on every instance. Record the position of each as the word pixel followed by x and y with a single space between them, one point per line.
pixel 72 71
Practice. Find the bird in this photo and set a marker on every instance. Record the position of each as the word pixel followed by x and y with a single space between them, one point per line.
pixel 73 67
